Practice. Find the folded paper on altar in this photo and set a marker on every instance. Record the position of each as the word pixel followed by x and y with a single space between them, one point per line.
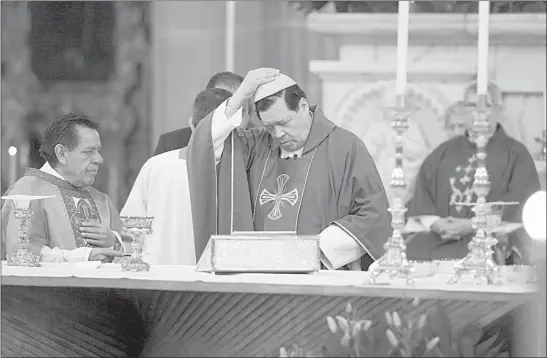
pixel 261 252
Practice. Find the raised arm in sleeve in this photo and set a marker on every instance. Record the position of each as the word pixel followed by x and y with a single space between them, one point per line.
pixel 221 128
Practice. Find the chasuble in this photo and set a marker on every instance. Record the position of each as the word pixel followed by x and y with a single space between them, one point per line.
pixel 331 187
pixel 446 179
pixel 53 229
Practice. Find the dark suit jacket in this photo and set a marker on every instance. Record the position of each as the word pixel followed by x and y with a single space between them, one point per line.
pixel 176 139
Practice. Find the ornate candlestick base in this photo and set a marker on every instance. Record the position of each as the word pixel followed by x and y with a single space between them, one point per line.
pixel 479 262
pixel 394 262
pixel 22 256
pixel 136 227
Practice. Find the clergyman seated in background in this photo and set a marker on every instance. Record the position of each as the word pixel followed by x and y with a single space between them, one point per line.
pixel 179 138
pixel 161 191
pixel 446 179
pixel 298 172
pixel 79 223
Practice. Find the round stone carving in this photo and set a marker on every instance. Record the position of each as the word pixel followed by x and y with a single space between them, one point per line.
pixel 365 111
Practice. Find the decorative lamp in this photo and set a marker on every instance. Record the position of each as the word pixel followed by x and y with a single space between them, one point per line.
pixel 533 216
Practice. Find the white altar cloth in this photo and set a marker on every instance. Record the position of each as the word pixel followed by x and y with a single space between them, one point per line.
pixel 186 278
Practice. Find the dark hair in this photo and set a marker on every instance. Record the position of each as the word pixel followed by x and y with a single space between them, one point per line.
pixel 207 101
pixel 63 131
pixel 228 79
pixel 292 96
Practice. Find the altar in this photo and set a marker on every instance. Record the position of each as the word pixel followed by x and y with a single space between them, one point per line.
pixel 92 309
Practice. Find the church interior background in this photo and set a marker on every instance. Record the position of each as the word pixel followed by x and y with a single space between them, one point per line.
pixel 136 67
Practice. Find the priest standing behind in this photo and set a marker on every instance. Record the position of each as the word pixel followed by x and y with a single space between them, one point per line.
pixel 161 191
pixel 299 172
pixel 80 223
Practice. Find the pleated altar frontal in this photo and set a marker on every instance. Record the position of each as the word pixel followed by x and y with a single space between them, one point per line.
pixel 84 310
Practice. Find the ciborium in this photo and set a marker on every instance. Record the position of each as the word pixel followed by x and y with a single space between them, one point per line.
pixel 136 227
pixel 22 255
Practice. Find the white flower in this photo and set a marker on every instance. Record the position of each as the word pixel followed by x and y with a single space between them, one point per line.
pixel 423 321
pixel 366 324
pixel 343 323
pixel 356 327
pixel 333 327
pixel 389 320
pixel 349 308
pixel 391 338
pixel 283 353
pixel 396 320
pixel 432 343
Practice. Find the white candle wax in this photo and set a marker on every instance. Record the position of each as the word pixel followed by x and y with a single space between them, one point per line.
pixel 12 172
pixel 482 48
pixel 230 35
pixel 402 46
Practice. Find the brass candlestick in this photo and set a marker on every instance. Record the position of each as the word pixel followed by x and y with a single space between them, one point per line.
pixel 136 227
pixel 479 262
pixel 22 255
pixel 394 261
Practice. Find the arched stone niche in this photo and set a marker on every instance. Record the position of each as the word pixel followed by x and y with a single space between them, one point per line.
pixel 120 104
pixel 365 111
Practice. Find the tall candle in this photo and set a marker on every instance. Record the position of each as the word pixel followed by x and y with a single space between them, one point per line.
pixel 12 172
pixel 482 49
pixel 230 35
pixel 402 46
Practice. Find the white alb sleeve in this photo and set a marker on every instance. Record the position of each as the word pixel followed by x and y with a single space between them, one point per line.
pixel 338 248
pixel 221 127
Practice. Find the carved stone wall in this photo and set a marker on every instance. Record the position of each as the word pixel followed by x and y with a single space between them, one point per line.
pixel 121 105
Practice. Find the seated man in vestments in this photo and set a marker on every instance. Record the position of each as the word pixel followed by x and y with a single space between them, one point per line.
pixel 80 223
pixel 298 172
pixel 446 180
pixel 161 191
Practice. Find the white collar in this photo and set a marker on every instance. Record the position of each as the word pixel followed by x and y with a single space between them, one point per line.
pixel 46 168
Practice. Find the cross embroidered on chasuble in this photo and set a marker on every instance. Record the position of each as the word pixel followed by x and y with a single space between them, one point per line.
pixel 280 197
pixel 462 184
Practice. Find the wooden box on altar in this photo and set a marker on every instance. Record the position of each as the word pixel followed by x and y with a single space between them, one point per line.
pixel 261 252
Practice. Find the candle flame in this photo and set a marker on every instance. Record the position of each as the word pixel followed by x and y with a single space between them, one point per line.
pixel 12 151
